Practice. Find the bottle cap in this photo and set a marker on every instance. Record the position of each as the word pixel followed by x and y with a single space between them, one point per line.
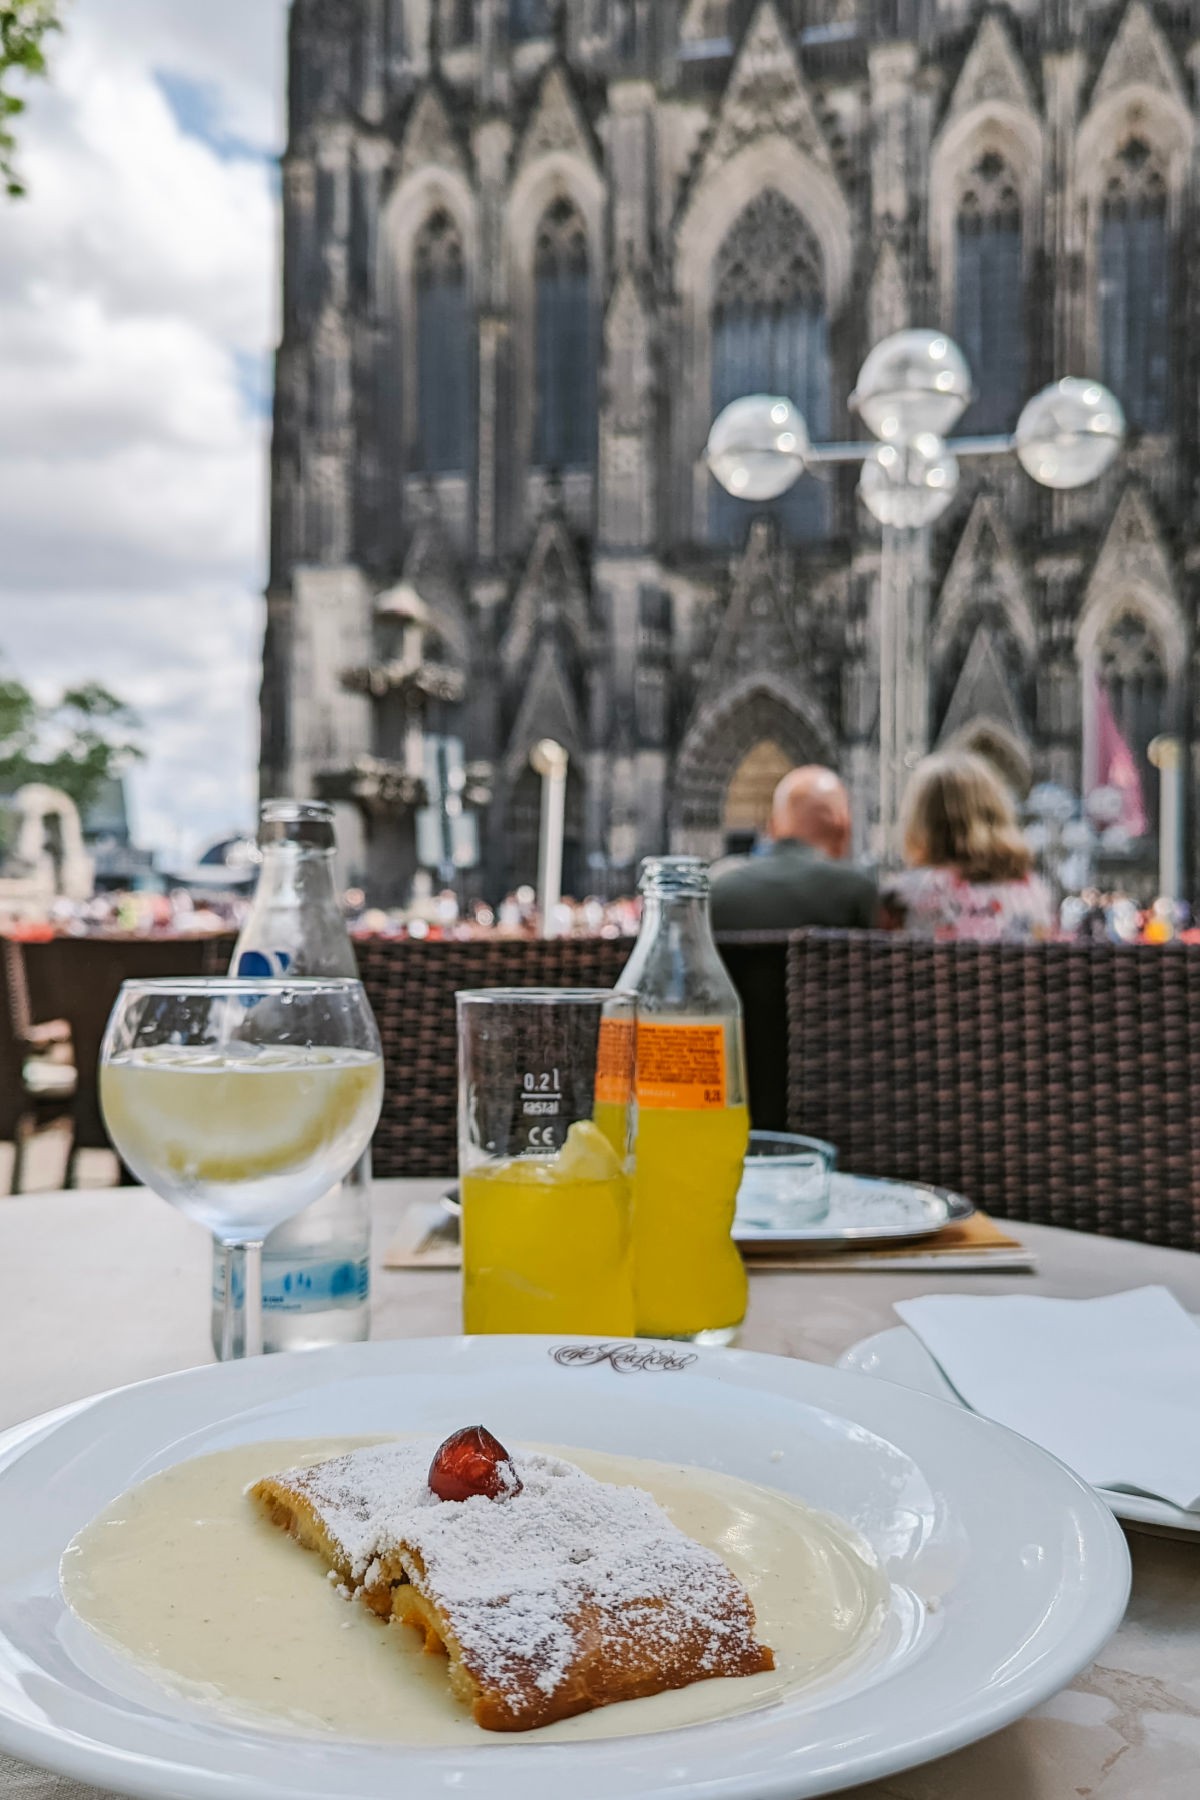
pixel 673 875
pixel 308 823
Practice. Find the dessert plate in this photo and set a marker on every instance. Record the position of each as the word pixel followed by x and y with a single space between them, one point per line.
pixel 1007 1573
pixel 899 1355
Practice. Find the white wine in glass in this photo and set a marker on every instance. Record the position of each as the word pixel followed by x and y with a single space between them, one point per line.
pixel 241 1102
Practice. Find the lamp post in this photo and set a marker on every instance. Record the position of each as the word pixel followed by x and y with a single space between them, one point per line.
pixel 1166 753
pixel 912 389
pixel 550 761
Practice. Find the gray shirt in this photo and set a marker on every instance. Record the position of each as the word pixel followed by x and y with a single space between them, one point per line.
pixel 793 885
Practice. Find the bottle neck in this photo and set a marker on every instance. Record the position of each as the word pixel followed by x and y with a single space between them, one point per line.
pixel 296 875
pixel 681 921
pixel 675 966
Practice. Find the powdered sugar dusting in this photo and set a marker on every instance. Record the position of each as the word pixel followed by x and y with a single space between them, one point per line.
pixel 515 1576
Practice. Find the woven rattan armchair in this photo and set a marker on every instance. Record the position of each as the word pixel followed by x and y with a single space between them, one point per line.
pixel 79 978
pixel 1053 1082
pixel 411 985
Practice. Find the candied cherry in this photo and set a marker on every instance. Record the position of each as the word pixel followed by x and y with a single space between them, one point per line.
pixel 470 1462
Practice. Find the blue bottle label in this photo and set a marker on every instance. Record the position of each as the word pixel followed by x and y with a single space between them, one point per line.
pixel 263 964
pixel 305 1287
pixel 315 1287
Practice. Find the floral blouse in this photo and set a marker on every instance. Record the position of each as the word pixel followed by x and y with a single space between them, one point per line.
pixel 940 904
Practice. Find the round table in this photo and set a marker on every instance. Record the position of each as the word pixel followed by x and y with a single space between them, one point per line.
pixel 104 1286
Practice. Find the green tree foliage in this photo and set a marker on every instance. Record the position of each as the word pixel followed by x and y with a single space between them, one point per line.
pixel 24 25
pixel 77 744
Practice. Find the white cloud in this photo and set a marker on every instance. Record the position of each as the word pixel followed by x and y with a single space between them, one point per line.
pixel 139 272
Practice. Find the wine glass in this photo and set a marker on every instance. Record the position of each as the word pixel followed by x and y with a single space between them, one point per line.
pixel 241 1102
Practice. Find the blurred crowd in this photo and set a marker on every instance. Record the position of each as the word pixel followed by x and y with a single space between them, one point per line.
pixel 442 915
pixel 970 872
pixel 1093 916
pixel 176 913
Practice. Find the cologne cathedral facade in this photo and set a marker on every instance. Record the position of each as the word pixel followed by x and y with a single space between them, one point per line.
pixel 531 247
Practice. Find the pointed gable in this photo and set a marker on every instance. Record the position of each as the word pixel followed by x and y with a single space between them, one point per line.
pixel 983 694
pixel 993 71
pixel 1134 567
pixel 550 599
pixel 984 577
pixel 557 124
pixel 432 570
pixel 766 93
pixel 1139 56
pixel 1133 553
pixel 430 138
pixel 757 630
pixel 548 709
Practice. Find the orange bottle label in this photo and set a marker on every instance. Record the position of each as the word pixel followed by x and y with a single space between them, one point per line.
pixel 614 1062
pixel 681 1067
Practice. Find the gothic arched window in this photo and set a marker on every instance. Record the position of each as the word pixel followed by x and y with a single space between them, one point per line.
pixel 565 353
pixel 770 335
pixel 1134 286
pixel 1133 680
pixel 529 19
pixel 443 350
pixel 989 293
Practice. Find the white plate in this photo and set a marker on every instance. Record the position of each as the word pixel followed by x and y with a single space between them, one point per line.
pixel 899 1355
pixel 1008 1574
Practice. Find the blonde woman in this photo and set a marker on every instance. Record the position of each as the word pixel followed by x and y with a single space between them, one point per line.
pixel 970 875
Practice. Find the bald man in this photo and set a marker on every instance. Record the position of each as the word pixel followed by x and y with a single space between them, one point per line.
pixel 804 878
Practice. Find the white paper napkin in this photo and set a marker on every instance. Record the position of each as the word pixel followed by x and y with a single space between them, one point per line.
pixel 1110 1386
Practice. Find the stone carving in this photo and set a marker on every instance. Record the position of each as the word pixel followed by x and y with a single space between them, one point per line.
pixel 548 708
pixel 430 138
pixel 1134 179
pixel 378 786
pixel 989 194
pixel 560 246
pixel 985 692
pixel 551 593
pixel 438 254
pixel 985 578
pixel 707 180
pixel 889 293
pixel 629 368
pixel 1127 650
pixel 558 123
pixel 1139 57
pixel 766 93
pixel 992 71
pixel 1133 553
pixel 769 257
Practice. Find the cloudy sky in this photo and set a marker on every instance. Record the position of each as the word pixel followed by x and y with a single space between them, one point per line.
pixel 137 311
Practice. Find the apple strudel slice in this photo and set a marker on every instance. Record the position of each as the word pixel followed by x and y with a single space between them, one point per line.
pixel 550 1592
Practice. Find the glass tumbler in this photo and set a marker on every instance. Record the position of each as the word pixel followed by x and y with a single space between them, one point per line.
pixel 785 1181
pixel 545 1093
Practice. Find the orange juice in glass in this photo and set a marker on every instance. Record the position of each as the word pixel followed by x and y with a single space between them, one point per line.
pixel 545 1088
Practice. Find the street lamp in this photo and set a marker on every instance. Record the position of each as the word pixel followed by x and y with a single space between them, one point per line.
pixel 912 390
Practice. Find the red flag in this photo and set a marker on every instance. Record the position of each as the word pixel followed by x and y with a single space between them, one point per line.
pixel 1116 767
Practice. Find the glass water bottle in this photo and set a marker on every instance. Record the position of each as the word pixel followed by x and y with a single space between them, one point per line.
pixel 316 1267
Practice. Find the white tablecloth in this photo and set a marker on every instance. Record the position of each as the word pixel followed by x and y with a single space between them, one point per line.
pixel 106 1286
